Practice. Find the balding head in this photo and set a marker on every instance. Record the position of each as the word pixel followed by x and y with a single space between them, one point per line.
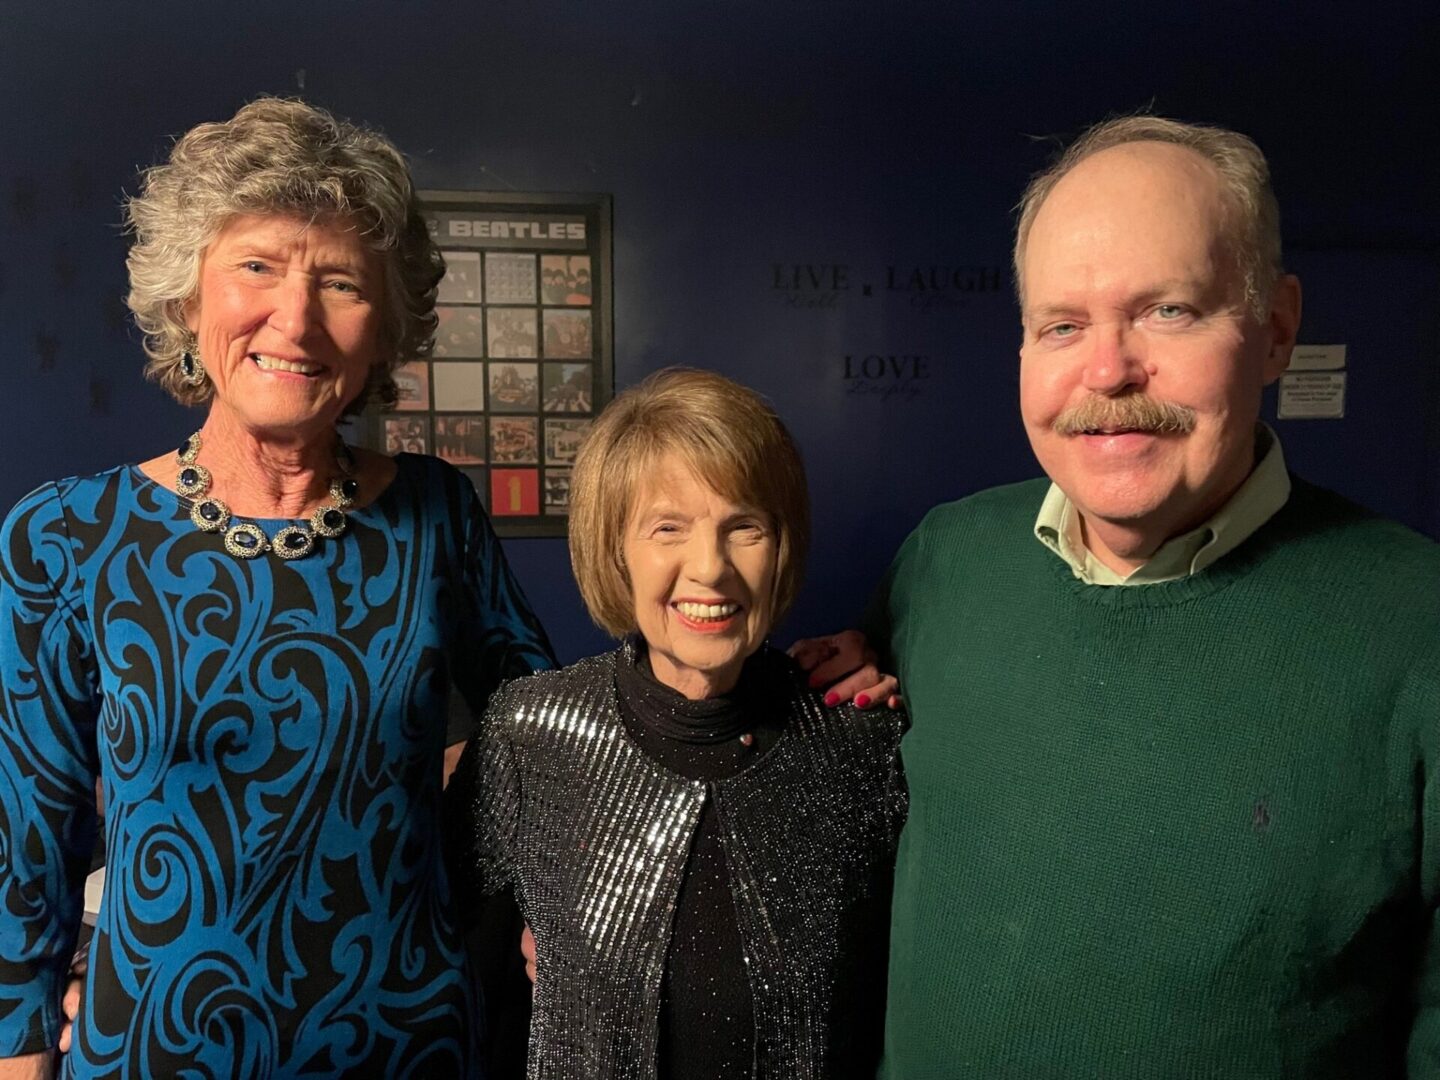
pixel 1251 219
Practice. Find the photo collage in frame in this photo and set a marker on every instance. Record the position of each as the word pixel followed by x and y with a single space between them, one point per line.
pixel 523 358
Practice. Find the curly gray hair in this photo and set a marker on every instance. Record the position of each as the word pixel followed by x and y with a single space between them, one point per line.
pixel 278 156
pixel 1244 173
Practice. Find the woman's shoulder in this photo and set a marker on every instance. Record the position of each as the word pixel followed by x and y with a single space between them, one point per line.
pixel 85 485
pixel 433 483
pixel 45 536
pixel 76 495
pixel 813 719
pixel 554 688
pixel 425 471
pixel 550 710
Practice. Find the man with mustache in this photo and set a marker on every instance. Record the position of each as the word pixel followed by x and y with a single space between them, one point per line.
pixel 1175 758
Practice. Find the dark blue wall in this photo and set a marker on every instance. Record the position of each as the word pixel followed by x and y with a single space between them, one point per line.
pixel 737 136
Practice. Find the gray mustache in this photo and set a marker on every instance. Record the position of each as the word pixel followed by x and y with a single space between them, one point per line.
pixel 1135 412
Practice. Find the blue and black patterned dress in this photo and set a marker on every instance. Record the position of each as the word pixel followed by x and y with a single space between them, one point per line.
pixel 269 739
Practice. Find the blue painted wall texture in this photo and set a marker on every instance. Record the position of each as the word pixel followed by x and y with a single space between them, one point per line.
pixel 759 155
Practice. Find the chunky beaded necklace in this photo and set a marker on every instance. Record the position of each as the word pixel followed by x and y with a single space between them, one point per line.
pixel 245 539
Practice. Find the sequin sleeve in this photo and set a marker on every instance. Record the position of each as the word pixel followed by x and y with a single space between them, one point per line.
pixel 48 709
pixel 897 791
pixel 483 806
pixel 502 638
pixel 886 625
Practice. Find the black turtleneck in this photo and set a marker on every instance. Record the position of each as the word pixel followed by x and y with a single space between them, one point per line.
pixel 707 1021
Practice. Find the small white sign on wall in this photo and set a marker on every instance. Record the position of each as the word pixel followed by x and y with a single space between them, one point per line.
pixel 1317 395
pixel 1317 358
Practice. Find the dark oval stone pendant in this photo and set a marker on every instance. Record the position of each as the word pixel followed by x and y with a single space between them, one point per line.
pixel 245 541
pixel 293 542
pixel 210 515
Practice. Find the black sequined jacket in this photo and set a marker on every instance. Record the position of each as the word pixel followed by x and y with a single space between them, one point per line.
pixel 552 796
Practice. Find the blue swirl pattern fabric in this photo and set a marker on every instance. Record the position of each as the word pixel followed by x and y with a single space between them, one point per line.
pixel 269 740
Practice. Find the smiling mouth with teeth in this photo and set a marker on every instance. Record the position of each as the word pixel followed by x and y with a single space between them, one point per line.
pixel 294 367
pixel 706 612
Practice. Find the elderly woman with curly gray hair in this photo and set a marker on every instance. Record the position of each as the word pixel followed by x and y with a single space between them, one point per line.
pixel 252 642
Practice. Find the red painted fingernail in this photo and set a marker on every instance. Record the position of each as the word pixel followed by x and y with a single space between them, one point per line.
pixel 832 698
pixel 862 701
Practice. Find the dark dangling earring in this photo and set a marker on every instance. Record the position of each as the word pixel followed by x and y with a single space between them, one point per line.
pixel 192 371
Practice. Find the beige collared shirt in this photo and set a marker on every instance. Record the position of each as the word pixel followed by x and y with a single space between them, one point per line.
pixel 1254 503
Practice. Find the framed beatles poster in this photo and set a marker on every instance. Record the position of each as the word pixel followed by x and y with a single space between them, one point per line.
pixel 524 353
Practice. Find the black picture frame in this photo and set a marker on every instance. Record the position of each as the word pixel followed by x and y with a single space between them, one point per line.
pixel 526 330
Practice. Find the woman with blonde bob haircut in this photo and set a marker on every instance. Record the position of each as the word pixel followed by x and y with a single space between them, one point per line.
pixel 741 451
pixel 702 849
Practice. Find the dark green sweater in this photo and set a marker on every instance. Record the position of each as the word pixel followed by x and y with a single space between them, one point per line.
pixel 1165 831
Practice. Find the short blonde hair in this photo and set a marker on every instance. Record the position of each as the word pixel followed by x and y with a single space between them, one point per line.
pixel 727 435
pixel 1245 180
pixel 278 156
